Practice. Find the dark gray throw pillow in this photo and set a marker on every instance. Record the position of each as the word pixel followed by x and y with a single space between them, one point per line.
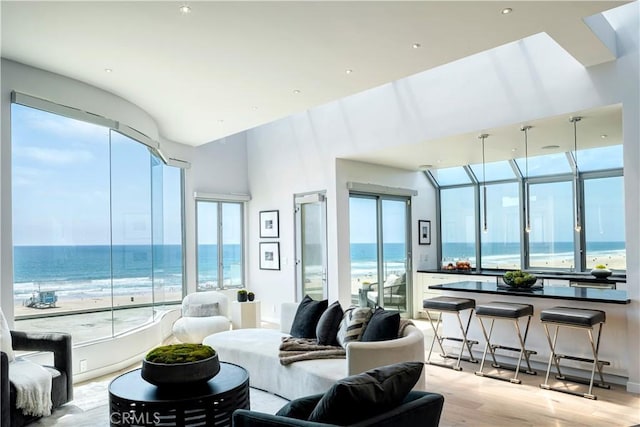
pixel 328 325
pixel 307 316
pixel 382 326
pixel 358 397
pixel 300 408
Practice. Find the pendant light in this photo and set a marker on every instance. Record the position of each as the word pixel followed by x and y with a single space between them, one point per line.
pixel 576 178
pixel 527 223
pixel 484 186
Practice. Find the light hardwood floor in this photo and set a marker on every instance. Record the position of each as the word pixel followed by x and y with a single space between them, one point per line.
pixel 470 400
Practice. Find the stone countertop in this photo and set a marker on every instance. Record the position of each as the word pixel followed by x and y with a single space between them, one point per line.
pixel 608 296
pixel 575 277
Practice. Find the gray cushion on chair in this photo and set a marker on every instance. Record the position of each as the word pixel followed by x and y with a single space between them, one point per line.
pixel 300 408
pixel 365 395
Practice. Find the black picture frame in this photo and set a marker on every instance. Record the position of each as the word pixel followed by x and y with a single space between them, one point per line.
pixel 424 232
pixel 269 256
pixel 269 224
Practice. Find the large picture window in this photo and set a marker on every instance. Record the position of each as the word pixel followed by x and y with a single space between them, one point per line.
pixel 500 245
pixel 552 242
pixel 220 248
pixel 604 222
pixel 458 224
pixel 551 239
pixel 97 227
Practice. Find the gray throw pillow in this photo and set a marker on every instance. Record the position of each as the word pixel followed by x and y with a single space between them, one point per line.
pixel 307 316
pixel 358 397
pixel 382 326
pixel 328 325
pixel 202 310
pixel 353 324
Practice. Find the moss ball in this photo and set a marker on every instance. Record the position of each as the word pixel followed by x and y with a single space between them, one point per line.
pixel 180 353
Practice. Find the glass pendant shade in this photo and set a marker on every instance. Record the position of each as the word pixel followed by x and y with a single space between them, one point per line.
pixel 527 223
pixel 576 176
pixel 484 185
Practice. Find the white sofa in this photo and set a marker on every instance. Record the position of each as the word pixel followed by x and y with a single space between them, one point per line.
pixel 257 351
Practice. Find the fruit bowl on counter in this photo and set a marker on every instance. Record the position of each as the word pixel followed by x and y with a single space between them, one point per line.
pixel 519 279
pixel 458 266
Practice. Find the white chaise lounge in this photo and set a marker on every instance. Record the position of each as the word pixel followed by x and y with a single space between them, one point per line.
pixel 257 351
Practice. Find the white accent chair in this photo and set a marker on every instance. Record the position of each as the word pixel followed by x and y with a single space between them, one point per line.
pixel 203 314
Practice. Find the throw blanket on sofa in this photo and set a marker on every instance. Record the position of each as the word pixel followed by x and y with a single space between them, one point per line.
pixel 33 387
pixel 403 325
pixel 297 349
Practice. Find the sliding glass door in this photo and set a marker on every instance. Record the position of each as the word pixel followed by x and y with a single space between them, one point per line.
pixel 380 250
pixel 311 245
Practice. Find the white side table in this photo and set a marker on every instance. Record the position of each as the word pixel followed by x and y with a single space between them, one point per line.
pixel 245 314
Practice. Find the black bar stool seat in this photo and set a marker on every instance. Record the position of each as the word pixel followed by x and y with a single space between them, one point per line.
pixel 512 312
pixel 579 318
pixel 507 310
pixel 573 316
pixel 453 305
pixel 448 304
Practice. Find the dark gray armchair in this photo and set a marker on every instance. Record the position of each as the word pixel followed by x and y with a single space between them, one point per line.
pixel 419 408
pixel 62 384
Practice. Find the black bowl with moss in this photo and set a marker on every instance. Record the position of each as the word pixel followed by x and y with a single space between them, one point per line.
pixel 177 364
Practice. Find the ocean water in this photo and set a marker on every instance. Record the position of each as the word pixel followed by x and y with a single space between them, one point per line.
pixel 90 271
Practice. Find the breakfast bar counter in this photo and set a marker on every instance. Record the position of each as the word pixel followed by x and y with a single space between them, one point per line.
pixel 614 303
pixel 606 296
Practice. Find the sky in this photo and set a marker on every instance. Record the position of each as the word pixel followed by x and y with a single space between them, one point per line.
pixel 62 194
pixel 68 181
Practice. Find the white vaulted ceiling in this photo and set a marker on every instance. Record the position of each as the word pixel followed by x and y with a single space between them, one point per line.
pixel 230 66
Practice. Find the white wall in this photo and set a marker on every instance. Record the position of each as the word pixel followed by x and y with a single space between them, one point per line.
pixel 625 79
pixel 510 85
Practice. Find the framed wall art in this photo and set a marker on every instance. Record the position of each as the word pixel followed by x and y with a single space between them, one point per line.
pixel 424 232
pixel 269 224
pixel 269 256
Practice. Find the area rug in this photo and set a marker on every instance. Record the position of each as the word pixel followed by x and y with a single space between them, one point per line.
pixel 90 406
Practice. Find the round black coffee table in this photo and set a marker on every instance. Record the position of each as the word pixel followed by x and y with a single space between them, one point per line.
pixel 133 401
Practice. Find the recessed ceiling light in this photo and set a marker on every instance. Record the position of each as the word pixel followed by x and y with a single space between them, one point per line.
pixel 550 147
pixel 513 150
pixel 296 91
pixel 506 11
pixel 416 45
pixel 185 9
pixel 108 70
pixel 254 108
pixel 220 121
pixel 348 71
pixel 604 136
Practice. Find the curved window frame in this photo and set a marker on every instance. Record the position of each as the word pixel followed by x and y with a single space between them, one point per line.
pixel 162 289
